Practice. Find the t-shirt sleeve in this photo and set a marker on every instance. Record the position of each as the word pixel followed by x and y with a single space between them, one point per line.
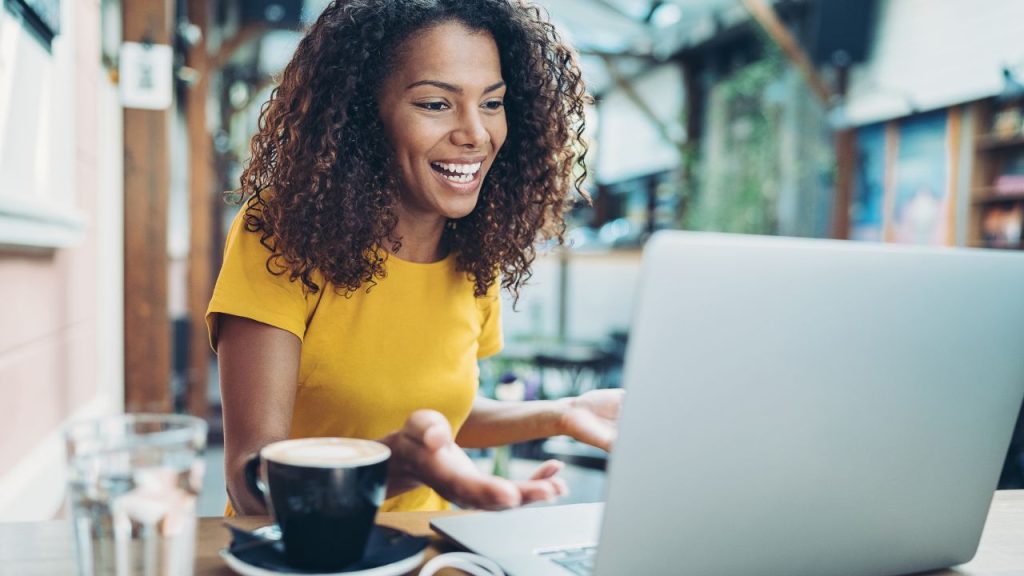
pixel 491 340
pixel 247 289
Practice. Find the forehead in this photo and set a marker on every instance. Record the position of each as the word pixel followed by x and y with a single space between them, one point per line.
pixel 450 52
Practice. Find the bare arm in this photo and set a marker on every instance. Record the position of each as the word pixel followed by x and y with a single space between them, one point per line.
pixel 494 423
pixel 590 418
pixel 259 371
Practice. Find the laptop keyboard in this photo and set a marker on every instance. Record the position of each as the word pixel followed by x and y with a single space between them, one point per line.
pixel 578 560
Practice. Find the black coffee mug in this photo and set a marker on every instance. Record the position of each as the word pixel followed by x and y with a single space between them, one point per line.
pixel 324 494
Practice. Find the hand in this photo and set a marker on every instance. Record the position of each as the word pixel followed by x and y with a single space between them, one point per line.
pixel 593 417
pixel 424 452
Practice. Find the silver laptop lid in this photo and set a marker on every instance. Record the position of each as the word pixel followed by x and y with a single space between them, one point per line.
pixel 810 407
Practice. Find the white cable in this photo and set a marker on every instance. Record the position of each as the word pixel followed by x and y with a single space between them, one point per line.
pixel 472 564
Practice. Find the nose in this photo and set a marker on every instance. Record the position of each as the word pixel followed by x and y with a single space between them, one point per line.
pixel 470 131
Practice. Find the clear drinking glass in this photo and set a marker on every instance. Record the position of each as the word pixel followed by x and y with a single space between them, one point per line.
pixel 133 483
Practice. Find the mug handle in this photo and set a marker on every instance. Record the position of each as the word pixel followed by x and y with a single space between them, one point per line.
pixel 252 478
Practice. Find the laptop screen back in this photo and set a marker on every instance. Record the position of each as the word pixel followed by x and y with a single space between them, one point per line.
pixel 810 407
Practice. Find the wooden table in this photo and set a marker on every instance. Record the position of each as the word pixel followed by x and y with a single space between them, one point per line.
pixel 44 548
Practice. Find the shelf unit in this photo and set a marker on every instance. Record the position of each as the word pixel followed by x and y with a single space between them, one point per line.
pixel 993 213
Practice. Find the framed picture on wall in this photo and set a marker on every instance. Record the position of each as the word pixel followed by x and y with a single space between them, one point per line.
pixel 866 214
pixel 921 194
pixel 904 179
pixel 41 17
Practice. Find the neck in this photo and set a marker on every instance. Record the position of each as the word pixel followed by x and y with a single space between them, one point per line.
pixel 421 242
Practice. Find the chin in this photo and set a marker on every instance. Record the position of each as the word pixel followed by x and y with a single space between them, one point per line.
pixel 460 209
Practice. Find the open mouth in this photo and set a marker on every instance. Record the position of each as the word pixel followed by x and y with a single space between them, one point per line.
pixel 457 173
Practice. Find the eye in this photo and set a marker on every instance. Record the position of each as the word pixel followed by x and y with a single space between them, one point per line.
pixel 494 104
pixel 433 106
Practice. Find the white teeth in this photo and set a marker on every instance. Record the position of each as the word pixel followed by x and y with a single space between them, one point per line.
pixel 460 168
pixel 461 179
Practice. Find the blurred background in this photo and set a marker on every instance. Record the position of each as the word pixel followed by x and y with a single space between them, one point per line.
pixel 122 123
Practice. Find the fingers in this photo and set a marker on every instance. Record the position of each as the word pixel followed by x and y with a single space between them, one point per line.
pixel 424 451
pixel 614 405
pixel 606 402
pixel 427 453
pixel 437 436
pixel 544 484
pixel 488 493
pixel 425 433
pixel 541 490
pixel 494 493
pixel 592 417
pixel 547 469
pixel 429 429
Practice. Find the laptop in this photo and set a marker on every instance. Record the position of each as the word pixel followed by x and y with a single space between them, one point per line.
pixel 794 407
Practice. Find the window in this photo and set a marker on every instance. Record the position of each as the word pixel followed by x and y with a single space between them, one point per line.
pixel 37 128
pixel 40 17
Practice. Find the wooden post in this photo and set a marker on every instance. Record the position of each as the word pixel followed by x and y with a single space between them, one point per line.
pixel 846 155
pixel 693 111
pixel 147 347
pixel 845 140
pixel 953 154
pixel 694 102
pixel 201 197
pixel 892 142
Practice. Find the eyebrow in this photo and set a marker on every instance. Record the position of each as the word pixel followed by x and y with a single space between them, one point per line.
pixel 451 87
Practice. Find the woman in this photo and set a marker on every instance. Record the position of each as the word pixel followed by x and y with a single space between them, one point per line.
pixel 409 159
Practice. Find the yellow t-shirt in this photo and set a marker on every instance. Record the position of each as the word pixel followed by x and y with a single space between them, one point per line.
pixel 370 359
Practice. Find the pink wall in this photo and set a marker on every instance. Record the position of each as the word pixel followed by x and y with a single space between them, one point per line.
pixel 49 319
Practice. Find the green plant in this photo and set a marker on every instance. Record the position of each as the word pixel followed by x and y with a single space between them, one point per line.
pixel 739 177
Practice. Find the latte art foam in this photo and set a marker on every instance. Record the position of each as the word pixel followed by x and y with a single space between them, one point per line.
pixel 326 452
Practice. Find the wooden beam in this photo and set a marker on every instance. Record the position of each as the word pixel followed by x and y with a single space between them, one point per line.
pixel 247 33
pixel 147 346
pixel 640 103
pixel 201 198
pixel 766 17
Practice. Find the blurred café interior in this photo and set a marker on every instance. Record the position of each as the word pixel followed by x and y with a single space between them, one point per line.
pixel 123 123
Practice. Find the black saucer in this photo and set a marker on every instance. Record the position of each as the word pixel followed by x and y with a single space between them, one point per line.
pixel 262 548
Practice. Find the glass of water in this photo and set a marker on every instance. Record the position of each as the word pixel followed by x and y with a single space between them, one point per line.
pixel 133 482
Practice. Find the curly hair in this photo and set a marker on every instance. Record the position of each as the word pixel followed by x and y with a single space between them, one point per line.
pixel 320 187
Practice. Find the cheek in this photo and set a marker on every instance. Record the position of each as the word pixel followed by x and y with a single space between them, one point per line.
pixel 401 131
pixel 414 138
pixel 499 133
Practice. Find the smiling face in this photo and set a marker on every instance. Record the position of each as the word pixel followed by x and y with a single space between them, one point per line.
pixel 443 114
